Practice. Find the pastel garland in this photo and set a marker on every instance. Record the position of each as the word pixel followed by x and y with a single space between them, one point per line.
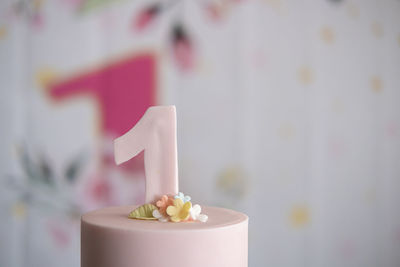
pixel 176 208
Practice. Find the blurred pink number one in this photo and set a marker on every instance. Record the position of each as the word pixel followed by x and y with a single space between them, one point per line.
pixel 155 133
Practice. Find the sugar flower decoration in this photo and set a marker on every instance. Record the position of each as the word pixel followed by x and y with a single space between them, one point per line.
pixel 163 204
pixel 195 214
pixel 159 216
pixel 170 208
pixel 179 211
pixel 182 197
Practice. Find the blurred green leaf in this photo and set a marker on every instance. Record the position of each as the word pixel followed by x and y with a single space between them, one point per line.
pixel 46 173
pixel 74 167
pixel 27 164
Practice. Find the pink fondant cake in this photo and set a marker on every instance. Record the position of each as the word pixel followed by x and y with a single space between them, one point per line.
pixel 110 239
pixel 168 231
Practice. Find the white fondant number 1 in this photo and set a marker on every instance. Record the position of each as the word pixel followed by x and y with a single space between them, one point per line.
pixel 155 133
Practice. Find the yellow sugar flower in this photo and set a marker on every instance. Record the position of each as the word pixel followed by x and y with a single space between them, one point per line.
pixel 179 211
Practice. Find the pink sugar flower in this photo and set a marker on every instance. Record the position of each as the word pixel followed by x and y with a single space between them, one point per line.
pixel 163 204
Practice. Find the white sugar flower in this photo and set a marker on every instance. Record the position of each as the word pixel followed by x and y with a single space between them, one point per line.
pixel 195 213
pixel 158 215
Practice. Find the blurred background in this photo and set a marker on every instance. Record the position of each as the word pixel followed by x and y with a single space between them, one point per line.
pixel 287 110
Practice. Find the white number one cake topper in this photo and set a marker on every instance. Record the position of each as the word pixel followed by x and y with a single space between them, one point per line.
pixel 155 133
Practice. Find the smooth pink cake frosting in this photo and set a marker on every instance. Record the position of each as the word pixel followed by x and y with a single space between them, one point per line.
pixel 110 239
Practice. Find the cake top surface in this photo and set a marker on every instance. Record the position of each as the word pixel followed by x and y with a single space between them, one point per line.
pixel 116 217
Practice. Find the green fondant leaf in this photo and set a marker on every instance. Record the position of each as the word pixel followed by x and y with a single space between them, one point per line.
pixel 144 212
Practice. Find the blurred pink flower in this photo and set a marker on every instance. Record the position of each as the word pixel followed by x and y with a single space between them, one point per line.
pixel 101 190
pixel 182 48
pixel 58 234
pixel 37 21
pixel 146 16
pixel 98 192
pixel 214 11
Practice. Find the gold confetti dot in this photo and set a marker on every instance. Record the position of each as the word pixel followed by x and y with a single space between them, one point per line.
pixel 233 181
pixel 299 216
pixel 376 84
pixel 305 75
pixel 286 131
pixel 353 11
pixel 3 32
pixel 19 210
pixel 37 3
pixel 327 35
pixel 377 29
pixel 45 77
